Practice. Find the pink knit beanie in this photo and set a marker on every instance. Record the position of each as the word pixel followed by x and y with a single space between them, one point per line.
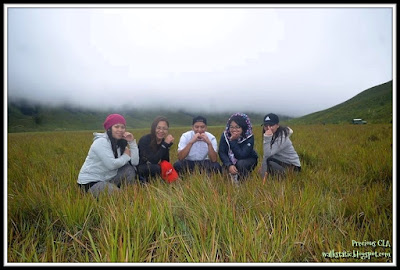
pixel 113 119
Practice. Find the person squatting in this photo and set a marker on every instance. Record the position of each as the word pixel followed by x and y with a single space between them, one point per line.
pixel 115 159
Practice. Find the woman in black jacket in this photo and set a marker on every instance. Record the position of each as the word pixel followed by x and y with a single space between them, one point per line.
pixel 153 148
pixel 236 147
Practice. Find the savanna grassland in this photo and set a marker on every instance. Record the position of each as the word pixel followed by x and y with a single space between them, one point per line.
pixel 343 194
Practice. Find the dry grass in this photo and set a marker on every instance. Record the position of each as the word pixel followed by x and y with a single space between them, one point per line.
pixel 343 193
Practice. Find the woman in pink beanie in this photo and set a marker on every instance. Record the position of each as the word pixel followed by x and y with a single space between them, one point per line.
pixel 112 158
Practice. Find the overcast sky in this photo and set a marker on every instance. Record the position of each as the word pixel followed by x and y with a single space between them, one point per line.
pixel 292 61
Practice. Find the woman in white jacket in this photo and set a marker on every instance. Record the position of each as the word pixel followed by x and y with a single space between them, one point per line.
pixel 112 158
pixel 279 153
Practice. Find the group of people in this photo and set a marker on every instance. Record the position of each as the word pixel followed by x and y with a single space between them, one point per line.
pixel 115 158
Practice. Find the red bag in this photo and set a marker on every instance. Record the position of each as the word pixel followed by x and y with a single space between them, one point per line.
pixel 168 173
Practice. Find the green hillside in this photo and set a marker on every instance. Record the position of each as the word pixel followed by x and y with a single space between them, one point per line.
pixel 26 117
pixel 374 105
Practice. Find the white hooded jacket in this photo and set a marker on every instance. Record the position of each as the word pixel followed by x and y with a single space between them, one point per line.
pixel 100 163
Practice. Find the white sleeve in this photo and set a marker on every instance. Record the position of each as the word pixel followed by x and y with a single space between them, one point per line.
pixel 102 148
pixel 134 152
pixel 183 141
pixel 214 143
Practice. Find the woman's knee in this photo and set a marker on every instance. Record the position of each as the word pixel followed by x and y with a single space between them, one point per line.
pixel 103 186
pixel 246 164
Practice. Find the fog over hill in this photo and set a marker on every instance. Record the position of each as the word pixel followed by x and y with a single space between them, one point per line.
pixel 26 116
pixel 375 105
pixel 291 61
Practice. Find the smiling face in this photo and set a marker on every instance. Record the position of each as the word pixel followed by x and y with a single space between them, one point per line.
pixel 118 131
pixel 235 129
pixel 161 130
pixel 199 127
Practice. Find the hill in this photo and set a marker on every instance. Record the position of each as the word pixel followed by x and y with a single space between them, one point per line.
pixel 374 105
pixel 26 117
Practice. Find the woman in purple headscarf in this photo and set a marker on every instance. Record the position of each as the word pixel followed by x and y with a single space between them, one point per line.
pixel 236 147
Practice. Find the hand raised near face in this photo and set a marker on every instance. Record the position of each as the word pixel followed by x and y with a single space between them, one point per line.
pixel 169 139
pixel 204 137
pixel 128 136
pixel 268 131
pixel 235 135
pixel 195 138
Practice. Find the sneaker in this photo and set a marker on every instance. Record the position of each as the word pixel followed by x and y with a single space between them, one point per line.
pixel 234 178
pixel 143 180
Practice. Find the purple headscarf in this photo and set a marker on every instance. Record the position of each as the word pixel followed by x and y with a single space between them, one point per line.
pixel 227 133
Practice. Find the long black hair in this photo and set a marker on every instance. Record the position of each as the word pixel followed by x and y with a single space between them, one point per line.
pixel 115 144
pixel 279 133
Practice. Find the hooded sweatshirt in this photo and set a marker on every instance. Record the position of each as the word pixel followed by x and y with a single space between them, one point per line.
pixel 232 151
pixel 100 163
pixel 282 149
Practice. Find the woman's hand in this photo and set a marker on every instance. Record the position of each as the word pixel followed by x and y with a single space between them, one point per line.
pixel 169 139
pixel 235 135
pixel 268 131
pixel 128 136
pixel 127 151
pixel 233 169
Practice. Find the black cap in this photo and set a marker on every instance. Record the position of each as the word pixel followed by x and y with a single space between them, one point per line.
pixel 271 119
pixel 199 119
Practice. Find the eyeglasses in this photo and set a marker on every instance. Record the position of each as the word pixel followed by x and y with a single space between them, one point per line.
pixel 234 127
pixel 161 128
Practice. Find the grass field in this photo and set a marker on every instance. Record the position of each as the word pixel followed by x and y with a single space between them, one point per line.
pixel 343 198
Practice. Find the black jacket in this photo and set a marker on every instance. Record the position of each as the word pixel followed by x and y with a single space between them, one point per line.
pixel 148 155
pixel 242 150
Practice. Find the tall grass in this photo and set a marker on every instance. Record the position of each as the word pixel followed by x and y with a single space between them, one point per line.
pixel 343 193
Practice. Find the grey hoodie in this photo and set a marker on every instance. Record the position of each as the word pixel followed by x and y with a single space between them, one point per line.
pixel 281 150
pixel 100 163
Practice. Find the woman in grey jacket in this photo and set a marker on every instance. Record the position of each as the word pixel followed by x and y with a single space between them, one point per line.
pixel 110 161
pixel 279 153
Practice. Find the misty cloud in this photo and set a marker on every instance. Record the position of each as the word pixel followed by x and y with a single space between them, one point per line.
pixel 292 61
